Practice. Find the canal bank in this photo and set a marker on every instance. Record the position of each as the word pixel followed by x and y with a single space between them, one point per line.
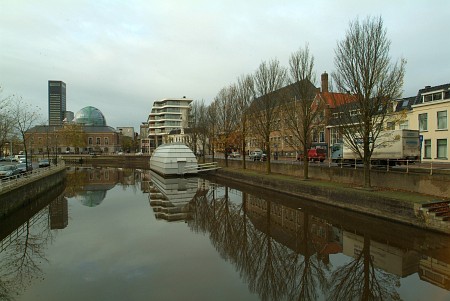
pixel 132 161
pixel 19 192
pixel 398 206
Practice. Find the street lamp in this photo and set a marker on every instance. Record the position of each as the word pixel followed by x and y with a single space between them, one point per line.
pixel 10 149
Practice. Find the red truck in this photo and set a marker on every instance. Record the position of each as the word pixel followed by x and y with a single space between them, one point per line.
pixel 315 154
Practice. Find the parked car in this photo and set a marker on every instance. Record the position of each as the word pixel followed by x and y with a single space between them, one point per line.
pixel 22 167
pixel 258 156
pixel 44 163
pixel 235 154
pixel 314 154
pixel 8 171
pixel 22 160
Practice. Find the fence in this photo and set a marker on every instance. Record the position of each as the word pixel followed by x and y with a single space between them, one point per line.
pixel 12 182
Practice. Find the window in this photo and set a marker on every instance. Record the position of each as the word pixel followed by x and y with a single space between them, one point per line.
pixel 97 141
pixel 442 148
pixel 390 126
pixel 427 149
pixel 106 141
pixel 321 136
pixel 442 120
pixel 90 140
pixel 355 112
pixel 404 125
pixel 427 98
pixel 423 122
pixel 437 96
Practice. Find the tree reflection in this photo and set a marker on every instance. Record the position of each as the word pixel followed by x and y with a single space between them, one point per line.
pixel 279 251
pixel 308 273
pixel 276 264
pixel 24 251
pixel 360 280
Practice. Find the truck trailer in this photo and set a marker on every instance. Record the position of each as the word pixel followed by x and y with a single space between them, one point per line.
pixel 393 147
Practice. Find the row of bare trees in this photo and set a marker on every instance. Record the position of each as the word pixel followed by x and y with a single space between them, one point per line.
pixel 275 98
pixel 19 123
pixel 16 118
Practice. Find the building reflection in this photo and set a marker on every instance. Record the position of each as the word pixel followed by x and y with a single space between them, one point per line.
pixel 90 185
pixel 392 259
pixel 59 213
pixel 435 271
pixel 297 243
pixel 170 197
pixel 282 249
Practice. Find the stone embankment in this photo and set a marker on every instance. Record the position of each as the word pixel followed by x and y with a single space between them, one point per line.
pixel 398 206
pixel 132 161
pixel 18 192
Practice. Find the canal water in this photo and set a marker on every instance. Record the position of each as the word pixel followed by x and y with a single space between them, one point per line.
pixel 122 234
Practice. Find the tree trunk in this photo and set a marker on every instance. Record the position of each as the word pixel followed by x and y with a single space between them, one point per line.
pixel 268 155
pixel 305 163
pixel 243 143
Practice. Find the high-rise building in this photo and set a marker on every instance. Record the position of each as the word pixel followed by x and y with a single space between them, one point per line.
pixel 167 114
pixel 56 102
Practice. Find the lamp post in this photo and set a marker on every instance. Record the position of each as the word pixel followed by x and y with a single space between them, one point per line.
pixel 10 149
pixel 4 150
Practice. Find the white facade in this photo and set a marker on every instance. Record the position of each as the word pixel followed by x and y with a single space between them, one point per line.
pixel 167 114
pixel 172 159
pixel 430 115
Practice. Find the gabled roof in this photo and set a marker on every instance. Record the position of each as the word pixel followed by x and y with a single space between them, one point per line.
pixel 336 99
pixel 290 92
pixel 405 104
pixel 86 129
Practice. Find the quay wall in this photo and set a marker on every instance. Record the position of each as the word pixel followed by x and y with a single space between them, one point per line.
pixel 132 161
pixel 354 199
pixel 436 185
pixel 22 193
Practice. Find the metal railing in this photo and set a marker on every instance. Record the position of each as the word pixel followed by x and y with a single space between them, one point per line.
pixel 200 167
pixel 405 166
pixel 12 182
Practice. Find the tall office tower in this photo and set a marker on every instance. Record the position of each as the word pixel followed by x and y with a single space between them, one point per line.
pixel 56 102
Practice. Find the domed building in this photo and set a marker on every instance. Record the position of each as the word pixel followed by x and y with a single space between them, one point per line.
pixel 87 133
pixel 90 116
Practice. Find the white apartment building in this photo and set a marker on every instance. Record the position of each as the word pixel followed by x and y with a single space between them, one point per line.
pixel 430 115
pixel 167 114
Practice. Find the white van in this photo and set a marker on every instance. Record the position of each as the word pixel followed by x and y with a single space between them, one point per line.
pixel 20 158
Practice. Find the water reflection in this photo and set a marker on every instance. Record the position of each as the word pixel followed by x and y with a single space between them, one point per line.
pixel 24 236
pixel 283 252
pixel 170 197
pixel 283 248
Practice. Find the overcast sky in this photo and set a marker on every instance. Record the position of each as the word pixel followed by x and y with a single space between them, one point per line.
pixel 120 56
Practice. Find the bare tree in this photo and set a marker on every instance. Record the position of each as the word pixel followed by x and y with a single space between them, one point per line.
pixel 5 121
pixel 212 127
pixel 226 102
pixel 24 116
pixel 301 111
pixel 193 126
pixel 246 91
pixel 269 78
pixel 364 69
pixel 202 127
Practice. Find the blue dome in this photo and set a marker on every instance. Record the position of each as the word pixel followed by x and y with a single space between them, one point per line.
pixel 90 116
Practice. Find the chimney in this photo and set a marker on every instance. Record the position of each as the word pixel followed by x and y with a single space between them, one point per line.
pixel 324 79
